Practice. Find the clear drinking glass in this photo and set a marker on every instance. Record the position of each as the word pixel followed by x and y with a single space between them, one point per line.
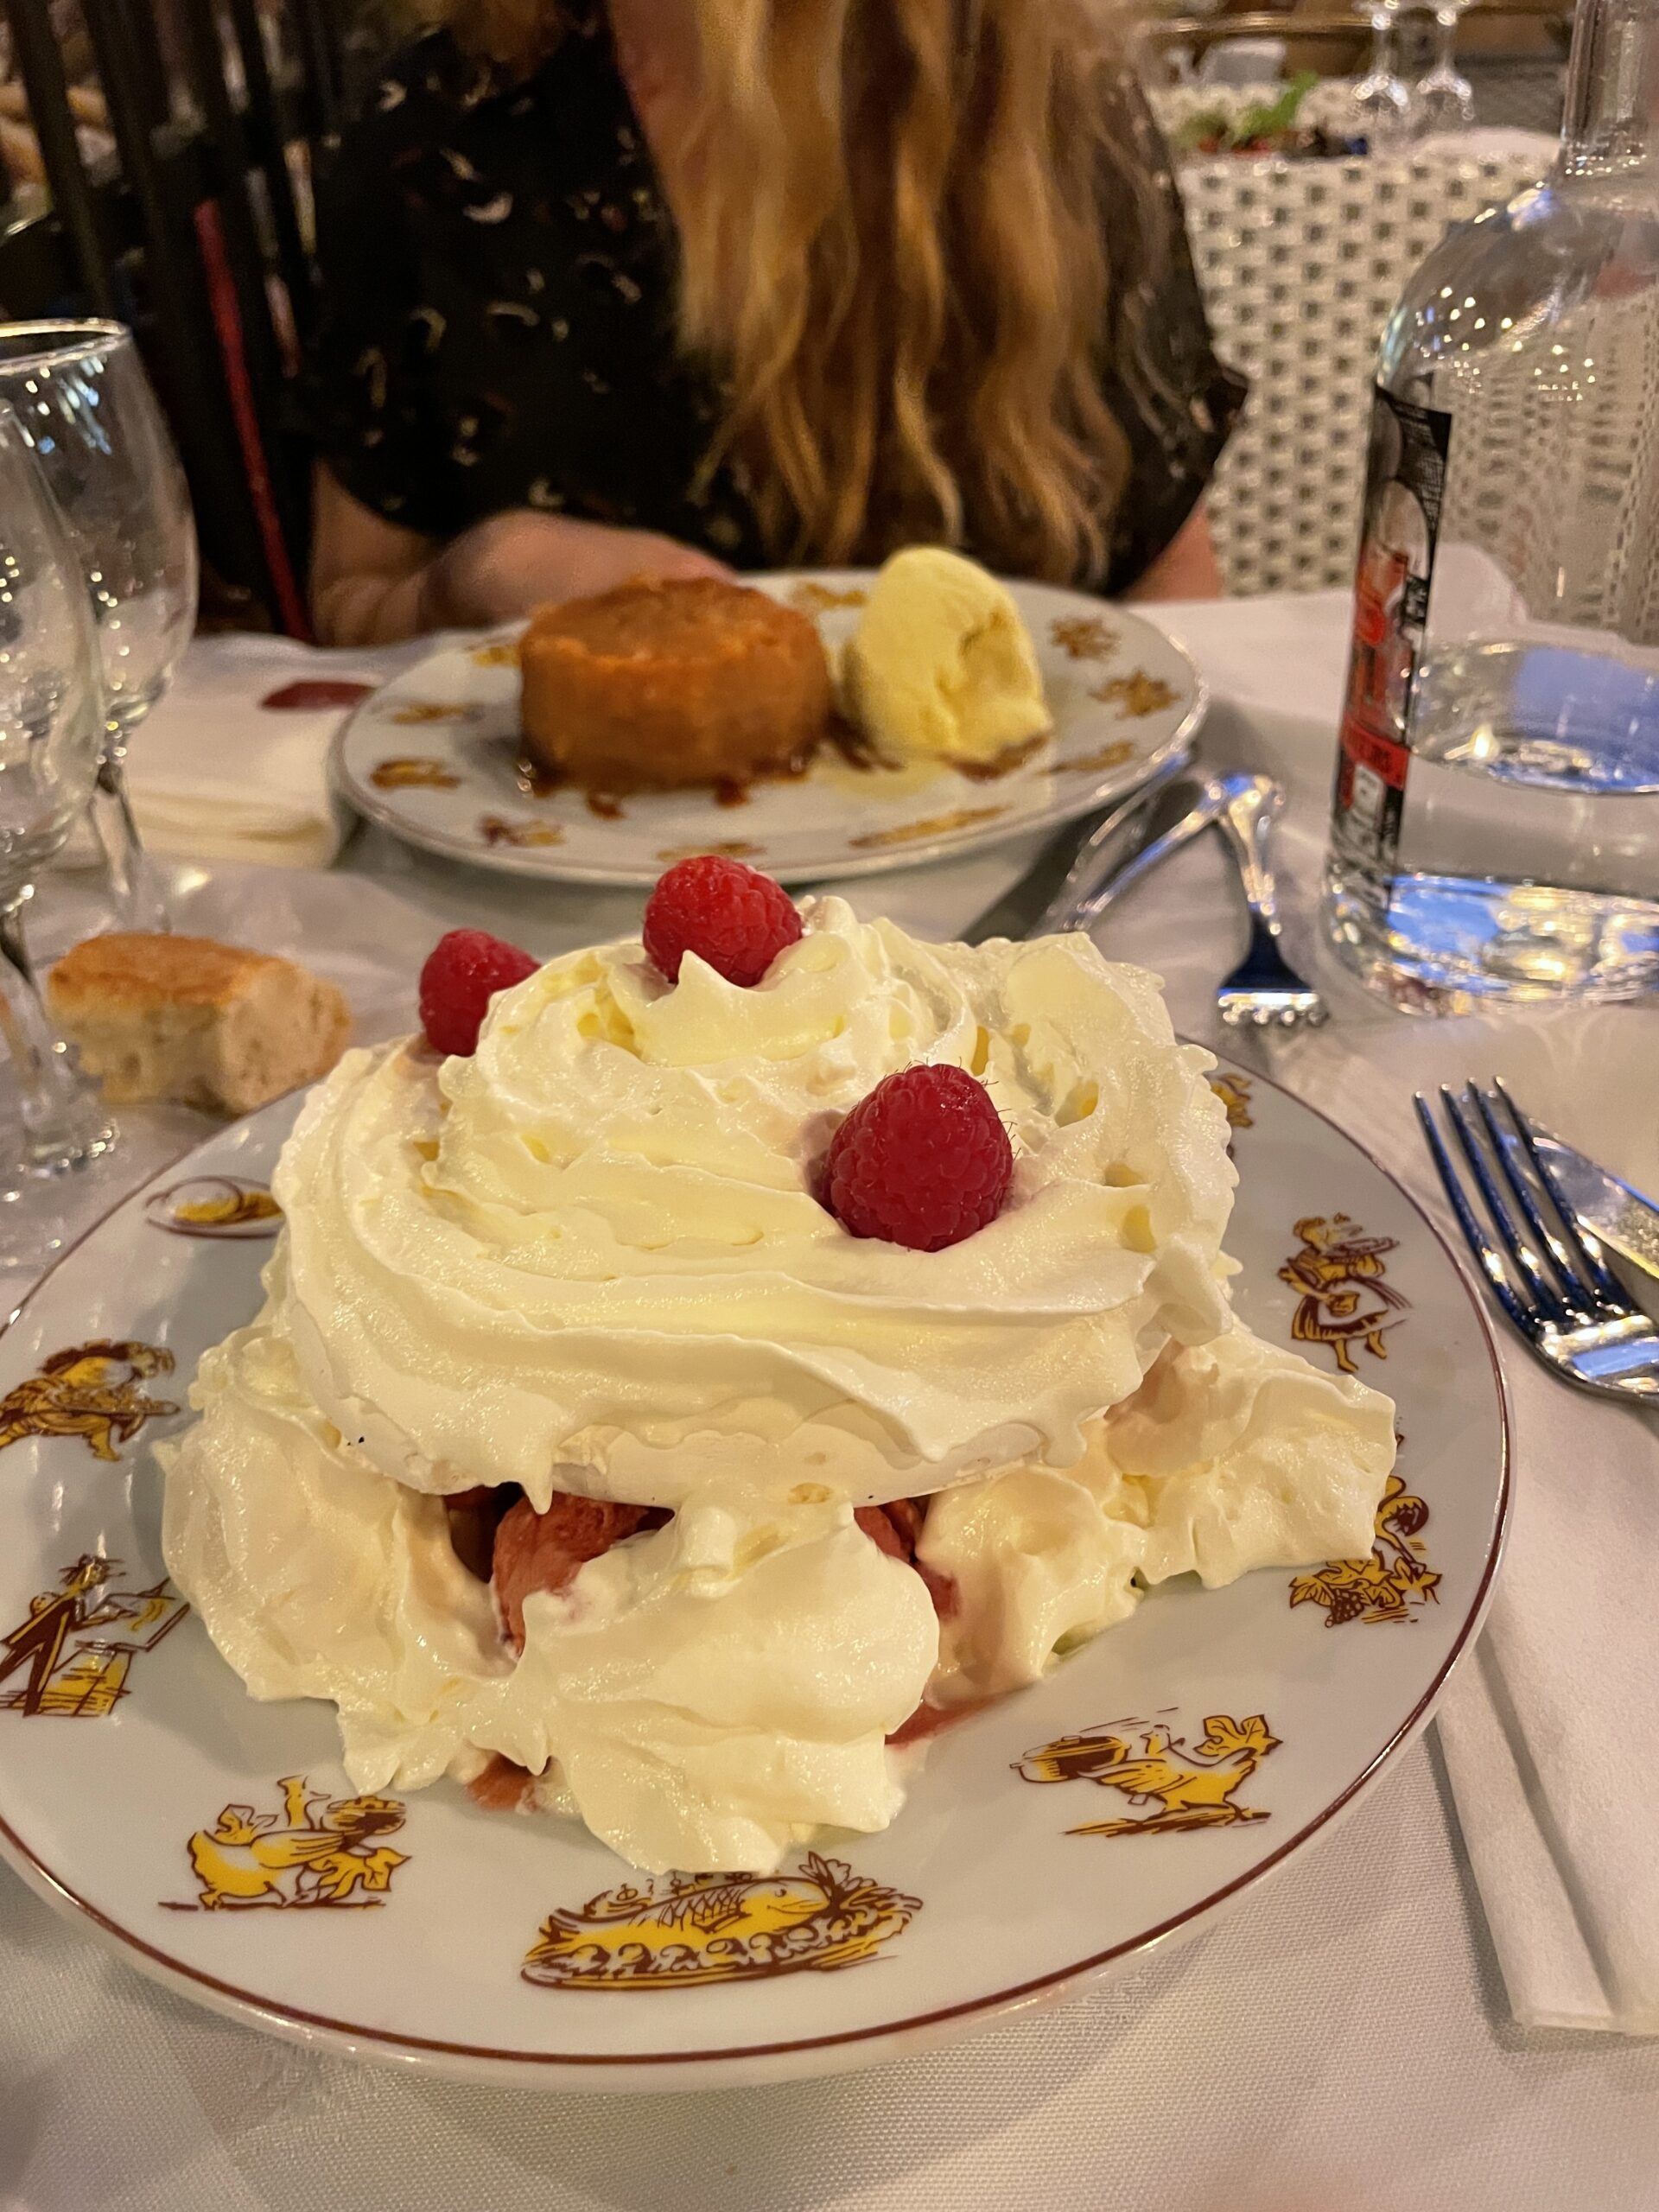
pixel 1384 114
pixel 83 401
pixel 1446 98
pixel 52 726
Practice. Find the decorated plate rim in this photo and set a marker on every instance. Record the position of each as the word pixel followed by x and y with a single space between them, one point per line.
pixel 390 2046
pixel 548 867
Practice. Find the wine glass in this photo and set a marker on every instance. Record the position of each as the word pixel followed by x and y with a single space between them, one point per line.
pixel 1381 101
pixel 83 401
pixel 52 728
pixel 1446 98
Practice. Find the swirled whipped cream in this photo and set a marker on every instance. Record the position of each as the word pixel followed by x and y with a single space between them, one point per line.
pixel 590 1257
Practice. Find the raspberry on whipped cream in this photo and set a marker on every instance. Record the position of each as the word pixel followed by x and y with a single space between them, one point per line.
pixel 923 1160
pixel 731 917
pixel 463 972
pixel 589 1262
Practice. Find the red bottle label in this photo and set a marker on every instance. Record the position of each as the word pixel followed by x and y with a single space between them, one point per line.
pixel 1405 483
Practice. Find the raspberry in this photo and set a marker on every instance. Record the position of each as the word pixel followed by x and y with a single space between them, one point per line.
pixel 923 1161
pixel 463 972
pixel 545 1551
pixel 731 916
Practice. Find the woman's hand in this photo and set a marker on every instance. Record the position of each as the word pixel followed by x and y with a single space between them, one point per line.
pixel 373 583
pixel 521 560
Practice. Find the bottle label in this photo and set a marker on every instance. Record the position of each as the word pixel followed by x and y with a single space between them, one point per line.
pixel 1405 482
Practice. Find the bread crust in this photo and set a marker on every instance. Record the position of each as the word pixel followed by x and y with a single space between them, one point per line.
pixel 189 1020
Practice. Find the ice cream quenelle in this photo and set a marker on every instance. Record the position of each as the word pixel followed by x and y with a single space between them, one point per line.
pixel 941 665
pixel 667 1395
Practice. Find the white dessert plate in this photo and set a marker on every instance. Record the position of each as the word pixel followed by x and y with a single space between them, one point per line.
pixel 434 757
pixel 216 1843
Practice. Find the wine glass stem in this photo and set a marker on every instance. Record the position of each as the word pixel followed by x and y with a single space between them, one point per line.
pixel 137 899
pixel 1446 42
pixel 63 1123
pixel 1382 43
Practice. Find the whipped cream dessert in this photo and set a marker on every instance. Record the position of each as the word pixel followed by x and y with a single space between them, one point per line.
pixel 769 1487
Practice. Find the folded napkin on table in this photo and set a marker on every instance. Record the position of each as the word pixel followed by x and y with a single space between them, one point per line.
pixel 1547 1727
pixel 214 775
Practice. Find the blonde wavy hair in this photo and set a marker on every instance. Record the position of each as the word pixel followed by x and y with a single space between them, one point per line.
pixel 892 219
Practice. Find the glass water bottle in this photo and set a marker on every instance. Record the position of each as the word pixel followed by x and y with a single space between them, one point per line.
pixel 1495 830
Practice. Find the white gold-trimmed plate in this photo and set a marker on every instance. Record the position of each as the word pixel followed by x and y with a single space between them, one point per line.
pixel 433 757
pixel 217 1845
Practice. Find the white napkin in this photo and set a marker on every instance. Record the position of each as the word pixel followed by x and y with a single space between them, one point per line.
pixel 215 776
pixel 1547 1728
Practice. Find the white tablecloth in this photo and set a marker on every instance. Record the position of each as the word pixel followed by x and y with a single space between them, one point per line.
pixel 1342 2040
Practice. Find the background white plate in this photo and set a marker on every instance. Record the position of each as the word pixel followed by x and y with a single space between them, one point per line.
pixel 97 1809
pixel 433 757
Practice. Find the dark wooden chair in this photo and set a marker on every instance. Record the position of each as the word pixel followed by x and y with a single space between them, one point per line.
pixel 197 231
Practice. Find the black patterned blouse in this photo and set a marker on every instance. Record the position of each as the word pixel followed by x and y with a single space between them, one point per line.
pixel 498 270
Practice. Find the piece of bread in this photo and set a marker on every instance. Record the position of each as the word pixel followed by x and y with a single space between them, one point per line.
pixel 660 683
pixel 188 1019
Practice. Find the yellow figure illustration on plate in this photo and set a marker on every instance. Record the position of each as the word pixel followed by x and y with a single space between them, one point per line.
pixel 1234 1092
pixel 73 1674
pixel 682 1931
pixel 92 1391
pixel 1390 1582
pixel 1193 1786
pixel 1340 1271
pixel 324 1854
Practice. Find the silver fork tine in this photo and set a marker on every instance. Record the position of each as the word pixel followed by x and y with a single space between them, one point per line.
pixel 1608 1286
pixel 1524 1259
pixel 1578 1288
pixel 1491 1265
pixel 1612 1350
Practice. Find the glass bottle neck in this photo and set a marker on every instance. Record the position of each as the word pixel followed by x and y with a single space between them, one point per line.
pixel 1611 128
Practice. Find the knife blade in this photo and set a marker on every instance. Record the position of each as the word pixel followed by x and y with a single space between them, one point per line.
pixel 1624 1220
pixel 1019 910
